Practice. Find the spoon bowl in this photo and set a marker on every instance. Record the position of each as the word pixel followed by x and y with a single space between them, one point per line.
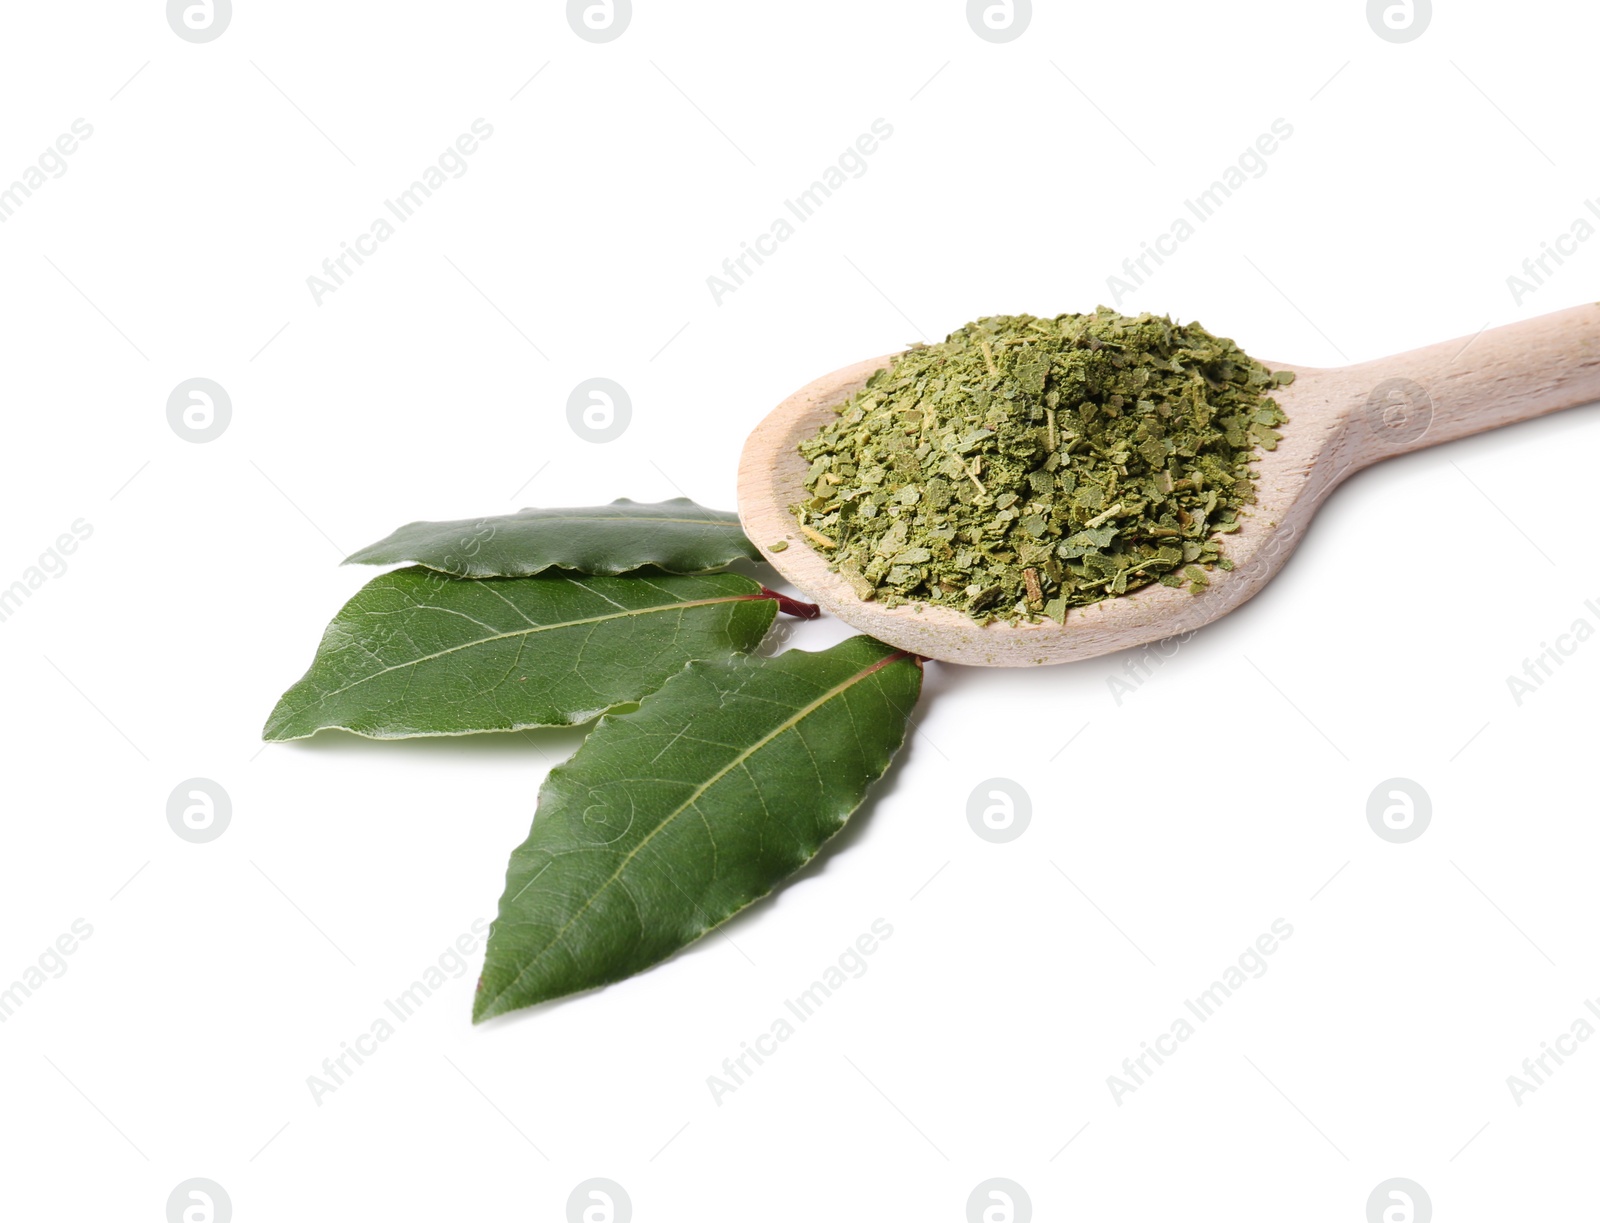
pixel 1340 420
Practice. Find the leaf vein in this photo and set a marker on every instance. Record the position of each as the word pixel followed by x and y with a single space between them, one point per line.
pixel 737 762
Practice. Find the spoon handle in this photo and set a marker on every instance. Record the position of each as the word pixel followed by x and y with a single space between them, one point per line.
pixel 1450 390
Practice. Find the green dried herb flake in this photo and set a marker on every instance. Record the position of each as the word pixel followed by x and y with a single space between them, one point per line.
pixel 1026 466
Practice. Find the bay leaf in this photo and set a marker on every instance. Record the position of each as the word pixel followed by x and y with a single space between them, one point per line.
pixel 677 536
pixel 672 817
pixel 419 653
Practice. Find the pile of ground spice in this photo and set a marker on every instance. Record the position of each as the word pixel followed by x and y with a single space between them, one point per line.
pixel 1025 466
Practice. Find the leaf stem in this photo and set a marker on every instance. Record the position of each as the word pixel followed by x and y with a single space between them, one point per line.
pixel 791 607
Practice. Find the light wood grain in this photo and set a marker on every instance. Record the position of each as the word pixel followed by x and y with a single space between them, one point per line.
pixel 1340 420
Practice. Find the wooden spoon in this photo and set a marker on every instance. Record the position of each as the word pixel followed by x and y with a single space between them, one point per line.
pixel 1340 420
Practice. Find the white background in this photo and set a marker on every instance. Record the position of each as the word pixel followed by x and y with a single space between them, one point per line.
pixel 1226 792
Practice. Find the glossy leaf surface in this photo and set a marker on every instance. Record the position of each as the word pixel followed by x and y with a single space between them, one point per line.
pixel 674 816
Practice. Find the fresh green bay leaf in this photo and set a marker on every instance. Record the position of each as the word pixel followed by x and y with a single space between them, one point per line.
pixel 419 653
pixel 673 816
pixel 677 536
